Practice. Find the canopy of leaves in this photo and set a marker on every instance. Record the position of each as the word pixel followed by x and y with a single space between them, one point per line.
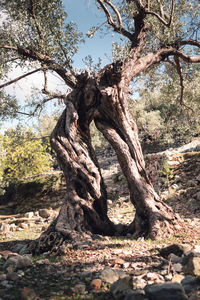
pixel 36 34
pixel 39 26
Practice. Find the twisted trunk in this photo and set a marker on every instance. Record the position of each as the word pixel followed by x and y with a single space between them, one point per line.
pixel 153 218
pixel 84 210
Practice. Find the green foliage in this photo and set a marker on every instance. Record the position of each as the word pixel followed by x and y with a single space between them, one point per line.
pixel 167 172
pixel 8 106
pixel 40 26
pixel 98 140
pixel 47 122
pixel 159 115
pixel 24 155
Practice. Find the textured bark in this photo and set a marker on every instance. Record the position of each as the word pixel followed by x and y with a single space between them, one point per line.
pixel 104 99
pixel 152 215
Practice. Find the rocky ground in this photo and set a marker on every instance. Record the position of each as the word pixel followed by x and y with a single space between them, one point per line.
pixel 111 268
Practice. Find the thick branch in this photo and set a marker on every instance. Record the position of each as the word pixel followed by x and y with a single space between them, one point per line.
pixel 69 79
pixel 118 28
pixel 20 77
pixel 180 73
pixel 134 67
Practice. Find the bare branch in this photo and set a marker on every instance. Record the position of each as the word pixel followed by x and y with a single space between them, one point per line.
pixel 161 16
pixel 180 73
pixel 32 11
pixel 68 77
pixel 171 13
pixel 118 28
pixel 116 12
pixel 139 4
pixel 47 92
pixel 186 58
pixel 18 78
pixel 189 42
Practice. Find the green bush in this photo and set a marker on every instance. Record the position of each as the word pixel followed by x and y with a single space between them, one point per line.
pixel 24 155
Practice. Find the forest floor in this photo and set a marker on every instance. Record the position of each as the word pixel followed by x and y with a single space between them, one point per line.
pixel 78 271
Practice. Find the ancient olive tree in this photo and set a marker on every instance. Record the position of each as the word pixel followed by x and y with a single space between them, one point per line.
pixel 154 33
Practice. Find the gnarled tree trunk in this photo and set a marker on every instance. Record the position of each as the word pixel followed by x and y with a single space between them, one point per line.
pixel 84 210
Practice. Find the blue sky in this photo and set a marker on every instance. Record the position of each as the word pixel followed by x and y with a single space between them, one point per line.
pixel 85 14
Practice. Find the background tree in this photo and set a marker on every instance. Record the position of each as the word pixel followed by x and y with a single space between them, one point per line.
pixel 23 155
pixel 154 33
pixel 163 123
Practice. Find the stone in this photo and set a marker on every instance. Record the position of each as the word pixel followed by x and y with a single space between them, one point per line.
pixel 109 275
pixel 165 291
pixel 154 277
pixel 29 215
pixel 197 196
pixel 168 277
pixel 12 276
pixel 121 286
pixel 18 247
pixel 119 261
pixel 96 284
pixel 174 258
pixel 139 282
pixel 13 227
pixel 176 249
pixel 177 278
pixel 28 294
pixel 196 249
pixel 135 295
pixel 6 253
pixel 24 225
pixel 44 213
pixel 190 283
pixel 4 228
pixel 2 277
pixel 192 267
pixel 79 288
pixel 178 268
pixel 18 262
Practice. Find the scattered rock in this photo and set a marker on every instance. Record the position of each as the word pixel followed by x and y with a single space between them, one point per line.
pixel 12 276
pixel 165 291
pixel 44 213
pixel 24 225
pixel 28 294
pixel 4 228
pixel 178 268
pixel 96 284
pixel 109 275
pixel 29 215
pixel 176 249
pixel 174 258
pixel 18 262
pixel 190 283
pixel 192 267
pixel 197 196
pixel 135 295
pixel 79 288
pixel 177 278
pixel 121 286
pixel 119 261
